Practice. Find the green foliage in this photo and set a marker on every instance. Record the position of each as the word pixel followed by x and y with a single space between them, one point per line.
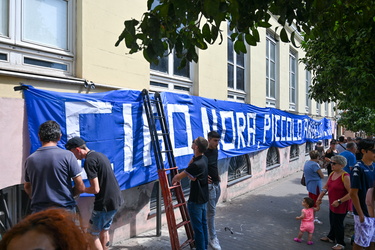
pixel 339 37
pixel 359 119
pixel 187 25
pixel 341 55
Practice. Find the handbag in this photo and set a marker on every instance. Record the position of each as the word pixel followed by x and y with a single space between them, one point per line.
pixel 303 181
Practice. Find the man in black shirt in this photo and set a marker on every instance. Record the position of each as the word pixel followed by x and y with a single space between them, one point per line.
pixel 213 186
pixel 197 172
pixel 104 185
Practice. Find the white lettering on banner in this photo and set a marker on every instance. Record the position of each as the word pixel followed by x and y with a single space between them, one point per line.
pixel 306 126
pixel 290 128
pixel 128 137
pixel 277 127
pixel 147 161
pixel 214 121
pixel 72 112
pixel 227 115
pixel 241 125
pixel 74 109
pixel 205 122
pixel 183 109
pixel 283 128
pixel 251 128
pixel 267 127
pixel 299 129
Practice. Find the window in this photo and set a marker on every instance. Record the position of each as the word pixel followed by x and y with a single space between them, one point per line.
pixel 308 147
pixel 236 73
pixel 292 80
pixel 37 36
pixel 326 108
pixel 294 152
pixel 271 71
pixel 273 158
pixel 167 76
pixel 308 83
pixel 317 108
pixel 239 166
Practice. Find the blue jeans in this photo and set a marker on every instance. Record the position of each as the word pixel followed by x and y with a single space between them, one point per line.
pixel 101 221
pixel 198 220
pixel 214 192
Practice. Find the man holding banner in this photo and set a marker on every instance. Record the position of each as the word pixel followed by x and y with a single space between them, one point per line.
pixel 197 172
pixel 104 185
pixel 49 170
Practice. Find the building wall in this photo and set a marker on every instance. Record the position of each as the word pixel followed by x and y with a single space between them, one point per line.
pixel 98 61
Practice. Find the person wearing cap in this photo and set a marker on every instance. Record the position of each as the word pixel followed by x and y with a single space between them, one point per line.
pixel 49 172
pixel 104 185
pixel 197 172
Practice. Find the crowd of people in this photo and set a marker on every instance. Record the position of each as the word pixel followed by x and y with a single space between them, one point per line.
pixel 51 171
pixel 350 183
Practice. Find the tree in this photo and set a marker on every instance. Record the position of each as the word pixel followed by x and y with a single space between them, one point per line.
pixel 338 37
pixel 341 55
pixel 359 119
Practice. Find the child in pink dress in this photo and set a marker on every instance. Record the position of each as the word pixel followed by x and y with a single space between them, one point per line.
pixel 307 220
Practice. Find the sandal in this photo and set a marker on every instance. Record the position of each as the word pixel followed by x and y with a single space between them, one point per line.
pixel 338 247
pixel 297 240
pixel 326 239
pixel 310 242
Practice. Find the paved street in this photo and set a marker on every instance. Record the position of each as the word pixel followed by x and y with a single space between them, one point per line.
pixel 261 219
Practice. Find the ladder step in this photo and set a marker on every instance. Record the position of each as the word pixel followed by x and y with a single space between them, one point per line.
pixel 179 205
pixel 186 243
pixel 175 186
pixel 182 223
pixel 167 169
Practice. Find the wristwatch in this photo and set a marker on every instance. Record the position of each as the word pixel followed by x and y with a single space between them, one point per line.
pixel 339 201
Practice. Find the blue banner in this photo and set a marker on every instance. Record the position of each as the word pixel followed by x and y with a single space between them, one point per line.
pixel 115 124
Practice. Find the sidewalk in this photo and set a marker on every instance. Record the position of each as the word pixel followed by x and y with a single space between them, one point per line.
pixel 261 219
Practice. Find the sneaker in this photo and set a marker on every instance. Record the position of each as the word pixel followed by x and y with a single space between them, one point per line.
pixel 214 243
pixel 316 221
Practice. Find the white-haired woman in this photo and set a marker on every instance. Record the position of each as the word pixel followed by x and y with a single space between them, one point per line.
pixel 338 187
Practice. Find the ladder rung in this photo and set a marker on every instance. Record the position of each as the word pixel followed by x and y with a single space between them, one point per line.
pixel 182 223
pixel 167 169
pixel 166 151
pixel 175 186
pixel 187 242
pixel 179 205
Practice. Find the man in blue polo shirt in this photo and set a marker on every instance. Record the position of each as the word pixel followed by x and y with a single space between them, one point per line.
pixel 362 178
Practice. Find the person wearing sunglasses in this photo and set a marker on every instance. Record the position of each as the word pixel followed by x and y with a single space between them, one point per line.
pixel 338 187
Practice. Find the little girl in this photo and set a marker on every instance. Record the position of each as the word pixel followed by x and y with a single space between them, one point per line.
pixel 307 219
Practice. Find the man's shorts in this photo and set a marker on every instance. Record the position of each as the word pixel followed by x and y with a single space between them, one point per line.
pixel 100 220
pixel 364 232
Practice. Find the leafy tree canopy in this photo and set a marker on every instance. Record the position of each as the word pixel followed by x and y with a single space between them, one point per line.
pixel 338 37
pixel 359 119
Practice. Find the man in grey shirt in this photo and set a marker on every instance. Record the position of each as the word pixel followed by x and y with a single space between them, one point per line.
pixel 49 172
